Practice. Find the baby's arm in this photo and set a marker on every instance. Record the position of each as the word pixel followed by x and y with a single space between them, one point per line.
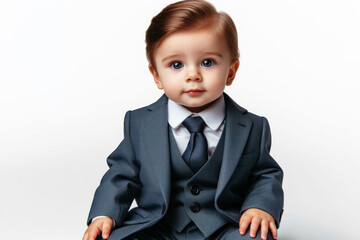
pixel 119 186
pixel 255 218
pixel 263 203
pixel 100 225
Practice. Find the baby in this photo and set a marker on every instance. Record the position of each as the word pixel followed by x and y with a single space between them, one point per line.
pixel 197 164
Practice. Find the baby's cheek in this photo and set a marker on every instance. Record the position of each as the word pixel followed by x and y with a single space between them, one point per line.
pixel 172 92
pixel 216 88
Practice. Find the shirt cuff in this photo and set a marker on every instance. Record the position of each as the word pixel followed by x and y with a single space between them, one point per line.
pixel 102 217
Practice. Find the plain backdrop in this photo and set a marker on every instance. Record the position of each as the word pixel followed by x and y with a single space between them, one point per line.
pixel 69 70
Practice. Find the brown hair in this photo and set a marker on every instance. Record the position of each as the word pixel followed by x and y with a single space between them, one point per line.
pixel 185 15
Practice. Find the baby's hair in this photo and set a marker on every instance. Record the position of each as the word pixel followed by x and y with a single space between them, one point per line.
pixel 190 14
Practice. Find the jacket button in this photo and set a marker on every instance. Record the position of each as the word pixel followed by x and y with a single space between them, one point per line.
pixel 195 207
pixel 163 209
pixel 195 190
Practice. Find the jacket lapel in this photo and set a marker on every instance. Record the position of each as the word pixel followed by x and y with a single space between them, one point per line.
pixel 156 144
pixel 237 129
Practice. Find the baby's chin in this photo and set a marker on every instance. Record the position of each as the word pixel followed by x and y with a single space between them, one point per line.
pixel 198 108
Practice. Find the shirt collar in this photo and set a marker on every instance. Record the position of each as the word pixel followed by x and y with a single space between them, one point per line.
pixel 212 115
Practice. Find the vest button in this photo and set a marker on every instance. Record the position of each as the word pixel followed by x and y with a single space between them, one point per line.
pixel 195 207
pixel 195 190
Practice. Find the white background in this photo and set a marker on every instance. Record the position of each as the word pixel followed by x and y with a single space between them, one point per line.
pixel 69 70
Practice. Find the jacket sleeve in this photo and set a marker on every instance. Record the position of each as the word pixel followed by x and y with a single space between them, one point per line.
pixel 120 184
pixel 265 186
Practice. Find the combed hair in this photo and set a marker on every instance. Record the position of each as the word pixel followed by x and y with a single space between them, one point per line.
pixel 189 14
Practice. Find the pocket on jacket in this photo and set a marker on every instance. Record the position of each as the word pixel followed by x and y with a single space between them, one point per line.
pixel 139 211
pixel 136 215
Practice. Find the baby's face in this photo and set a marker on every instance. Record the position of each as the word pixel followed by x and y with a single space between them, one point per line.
pixel 193 67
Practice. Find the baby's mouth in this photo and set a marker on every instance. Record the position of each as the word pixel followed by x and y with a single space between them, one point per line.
pixel 194 91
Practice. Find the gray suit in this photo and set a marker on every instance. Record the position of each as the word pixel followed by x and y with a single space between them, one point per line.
pixel 140 168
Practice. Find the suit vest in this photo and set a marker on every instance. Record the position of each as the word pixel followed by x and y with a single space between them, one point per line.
pixel 193 194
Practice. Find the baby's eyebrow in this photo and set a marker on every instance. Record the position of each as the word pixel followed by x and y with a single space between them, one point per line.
pixel 214 53
pixel 170 57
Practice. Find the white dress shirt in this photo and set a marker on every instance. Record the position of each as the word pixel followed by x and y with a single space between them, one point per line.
pixel 213 116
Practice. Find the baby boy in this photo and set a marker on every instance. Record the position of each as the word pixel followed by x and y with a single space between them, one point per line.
pixel 197 164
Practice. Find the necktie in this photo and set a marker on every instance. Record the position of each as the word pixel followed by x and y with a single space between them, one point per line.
pixel 196 152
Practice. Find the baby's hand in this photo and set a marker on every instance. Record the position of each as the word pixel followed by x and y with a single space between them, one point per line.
pixel 102 224
pixel 256 217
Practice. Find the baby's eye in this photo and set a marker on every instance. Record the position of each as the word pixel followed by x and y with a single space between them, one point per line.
pixel 176 65
pixel 207 63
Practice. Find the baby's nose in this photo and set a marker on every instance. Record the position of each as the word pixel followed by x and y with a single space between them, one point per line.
pixel 193 74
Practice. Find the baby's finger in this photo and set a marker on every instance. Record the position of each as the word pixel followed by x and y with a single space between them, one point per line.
pixel 254 226
pixel 264 229
pixel 273 230
pixel 244 224
pixel 106 228
pixel 91 234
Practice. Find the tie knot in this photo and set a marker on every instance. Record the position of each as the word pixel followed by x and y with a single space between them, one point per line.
pixel 194 124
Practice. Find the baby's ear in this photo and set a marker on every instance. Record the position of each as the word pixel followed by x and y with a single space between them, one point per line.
pixel 232 72
pixel 155 76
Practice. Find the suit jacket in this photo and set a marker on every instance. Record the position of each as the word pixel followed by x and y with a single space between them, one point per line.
pixel 139 169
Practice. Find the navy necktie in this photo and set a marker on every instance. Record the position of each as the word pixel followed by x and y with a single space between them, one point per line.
pixel 196 152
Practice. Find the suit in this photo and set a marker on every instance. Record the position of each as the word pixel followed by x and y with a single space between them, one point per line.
pixel 140 168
